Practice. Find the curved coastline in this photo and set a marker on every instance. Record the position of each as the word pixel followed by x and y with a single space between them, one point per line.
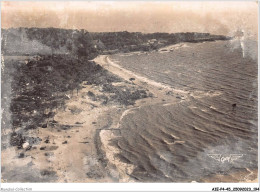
pixel 159 91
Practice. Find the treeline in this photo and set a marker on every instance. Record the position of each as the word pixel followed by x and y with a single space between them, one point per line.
pixel 47 41
pixel 120 40
pixel 126 41
pixel 82 43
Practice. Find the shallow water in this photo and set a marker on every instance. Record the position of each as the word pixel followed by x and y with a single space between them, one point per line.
pixel 172 142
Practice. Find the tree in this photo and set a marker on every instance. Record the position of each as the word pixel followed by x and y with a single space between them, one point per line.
pixel 83 46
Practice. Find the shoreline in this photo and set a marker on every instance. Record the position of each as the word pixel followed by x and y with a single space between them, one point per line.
pixel 106 135
pixel 248 175
pixel 87 156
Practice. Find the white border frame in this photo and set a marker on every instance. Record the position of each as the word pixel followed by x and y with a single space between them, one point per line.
pixel 134 186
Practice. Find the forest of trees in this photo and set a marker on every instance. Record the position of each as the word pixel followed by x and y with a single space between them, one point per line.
pixel 58 41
